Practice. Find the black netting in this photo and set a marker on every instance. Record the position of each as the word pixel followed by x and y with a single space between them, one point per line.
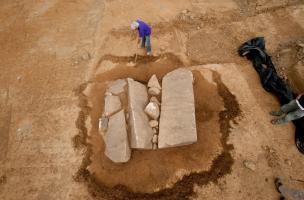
pixel 254 50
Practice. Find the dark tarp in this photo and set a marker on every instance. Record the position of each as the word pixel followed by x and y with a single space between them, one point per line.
pixel 254 50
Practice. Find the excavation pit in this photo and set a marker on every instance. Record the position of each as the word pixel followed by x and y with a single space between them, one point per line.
pixel 164 173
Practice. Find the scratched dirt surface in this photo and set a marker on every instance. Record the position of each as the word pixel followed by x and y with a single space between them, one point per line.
pixel 56 57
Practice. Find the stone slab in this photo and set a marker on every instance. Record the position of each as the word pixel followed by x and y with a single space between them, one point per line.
pixel 141 132
pixel 112 105
pixel 117 87
pixel 177 121
pixel 116 139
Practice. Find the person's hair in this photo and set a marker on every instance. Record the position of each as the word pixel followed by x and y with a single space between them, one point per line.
pixel 134 25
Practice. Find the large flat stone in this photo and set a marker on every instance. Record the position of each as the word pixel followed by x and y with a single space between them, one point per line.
pixel 112 105
pixel 116 139
pixel 177 121
pixel 117 87
pixel 141 132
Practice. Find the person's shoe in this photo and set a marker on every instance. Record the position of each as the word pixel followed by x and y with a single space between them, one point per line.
pixel 278 183
pixel 276 113
pixel 149 54
pixel 300 144
pixel 277 121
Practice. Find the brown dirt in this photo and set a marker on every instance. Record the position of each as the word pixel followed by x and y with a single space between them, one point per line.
pixel 48 48
pixel 289 60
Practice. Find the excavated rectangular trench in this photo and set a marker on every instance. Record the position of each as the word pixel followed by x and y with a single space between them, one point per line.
pixel 157 174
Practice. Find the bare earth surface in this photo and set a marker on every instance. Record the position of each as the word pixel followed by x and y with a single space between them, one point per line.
pixel 57 56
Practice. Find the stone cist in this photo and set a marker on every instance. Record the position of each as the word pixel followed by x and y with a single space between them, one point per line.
pixel 148 124
pixel 144 33
pixel 293 110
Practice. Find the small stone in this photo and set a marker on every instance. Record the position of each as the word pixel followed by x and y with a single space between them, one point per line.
pixel 18 78
pixel 300 44
pixel 155 139
pixel 162 48
pixel 250 165
pixel 185 11
pixel 154 100
pixel 154 91
pixel 108 94
pixel 103 123
pixel 154 146
pixel 86 56
pixel 152 110
pixel 153 82
pixel 25 129
pixel 117 87
pixel 112 105
pixel 153 123
pixel 271 150
pixel 156 54
pixel 154 130
pixel 198 28
pixel 131 64
pixel 90 104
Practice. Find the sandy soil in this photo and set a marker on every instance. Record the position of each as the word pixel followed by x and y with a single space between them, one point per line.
pixel 56 57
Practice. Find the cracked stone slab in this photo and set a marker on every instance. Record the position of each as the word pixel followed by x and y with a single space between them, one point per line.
pixel 116 139
pixel 141 132
pixel 177 121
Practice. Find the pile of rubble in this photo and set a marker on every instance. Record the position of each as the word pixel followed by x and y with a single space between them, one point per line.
pixel 145 122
